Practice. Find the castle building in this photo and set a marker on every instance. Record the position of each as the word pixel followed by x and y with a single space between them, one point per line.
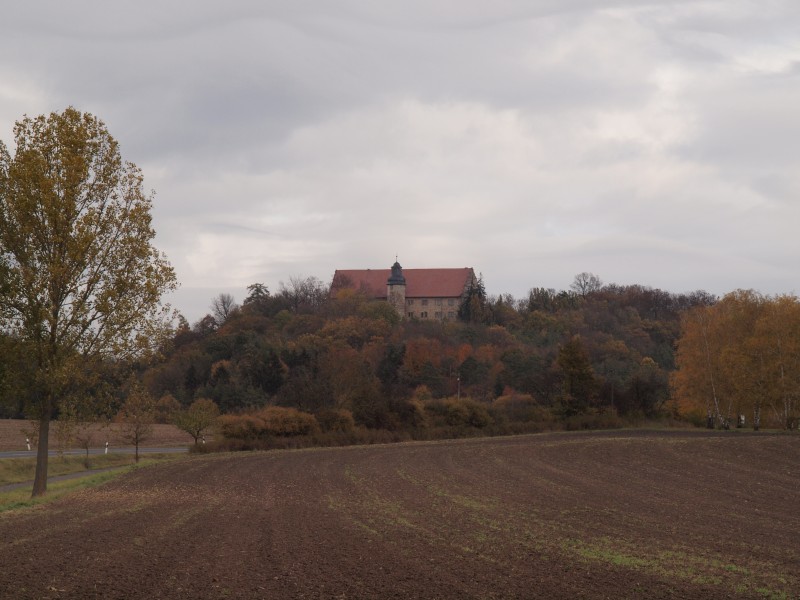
pixel 427 294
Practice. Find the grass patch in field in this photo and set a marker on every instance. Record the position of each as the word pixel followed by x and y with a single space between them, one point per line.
pixel 485 503
pixel 609 556
pixel 473 504
pixel 772 595
pixel 684 565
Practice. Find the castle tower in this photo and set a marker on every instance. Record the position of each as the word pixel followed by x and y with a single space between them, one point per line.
pixel 396 289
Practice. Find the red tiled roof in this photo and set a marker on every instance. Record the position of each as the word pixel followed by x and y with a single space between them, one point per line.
pixel 420 283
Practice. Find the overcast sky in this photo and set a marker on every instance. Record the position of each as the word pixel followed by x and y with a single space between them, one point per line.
pixel 654 142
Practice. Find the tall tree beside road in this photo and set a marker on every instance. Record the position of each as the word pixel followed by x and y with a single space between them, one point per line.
pixel 80 281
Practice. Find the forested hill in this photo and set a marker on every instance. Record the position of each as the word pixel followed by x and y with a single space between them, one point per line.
pixel 553 355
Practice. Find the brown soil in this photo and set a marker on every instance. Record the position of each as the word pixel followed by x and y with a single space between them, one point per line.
pixel 597 515
pixel 12 436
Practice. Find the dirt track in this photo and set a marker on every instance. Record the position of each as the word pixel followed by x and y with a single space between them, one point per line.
pixel 653 515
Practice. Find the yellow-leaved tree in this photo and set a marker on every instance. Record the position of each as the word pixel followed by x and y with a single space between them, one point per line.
pixel 738 357
pixel 80 281
pixel 778 341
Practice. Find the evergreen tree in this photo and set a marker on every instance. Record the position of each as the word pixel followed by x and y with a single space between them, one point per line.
pixel 473 307
pixel 579 386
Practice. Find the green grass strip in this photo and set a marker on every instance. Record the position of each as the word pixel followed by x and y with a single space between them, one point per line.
pixel 21 498
pixel 20 470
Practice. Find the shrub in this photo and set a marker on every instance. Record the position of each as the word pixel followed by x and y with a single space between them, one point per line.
pixel 242 427
pixel 356 436
pixel 522 408
pixel 335 419
pixel 282 421
pixel 422 393
pixel 411 413
pixel 455 412
pixel 593 420
pixel 270 421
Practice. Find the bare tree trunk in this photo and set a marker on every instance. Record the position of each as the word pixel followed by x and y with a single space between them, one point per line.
pixel 717 413
pixel 40 479
pixel 757 416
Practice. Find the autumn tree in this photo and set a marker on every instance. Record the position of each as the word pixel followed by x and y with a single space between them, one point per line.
pixel 768 365
pixel 198 418
pixel 698 383
pixel 222 307
pixel 745 356
pixel 585 284
pixel 84 435
pixel 81 281
pixel 166 408
pixel 779 330
pixel 422 361
pixel 352 384
pixel 137 416
pixel 504 310
pixel 303 294
pixel 647 388
pixel 740 356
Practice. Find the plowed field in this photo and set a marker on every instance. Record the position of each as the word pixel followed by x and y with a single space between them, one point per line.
pixel 598 515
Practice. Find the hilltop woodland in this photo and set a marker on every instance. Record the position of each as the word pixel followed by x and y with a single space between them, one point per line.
pixel 300 363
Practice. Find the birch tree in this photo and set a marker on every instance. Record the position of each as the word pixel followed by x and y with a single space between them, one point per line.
pixel 741 356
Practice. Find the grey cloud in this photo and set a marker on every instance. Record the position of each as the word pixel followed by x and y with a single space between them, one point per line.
pixel 750 123
pixel 531 140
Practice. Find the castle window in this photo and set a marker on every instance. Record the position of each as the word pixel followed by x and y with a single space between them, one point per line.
pixel 438 302
pixel 423 314
pixel 410 315
pixel 451 302
pixel 451 315
pixel 424 302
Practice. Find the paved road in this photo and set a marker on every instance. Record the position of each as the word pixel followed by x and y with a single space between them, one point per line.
pixel 111 450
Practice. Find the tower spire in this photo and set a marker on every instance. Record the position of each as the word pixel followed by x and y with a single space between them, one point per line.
pixel 396 289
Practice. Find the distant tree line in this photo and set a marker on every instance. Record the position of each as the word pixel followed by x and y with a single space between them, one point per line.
pixel 590 356
pixel 574 356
